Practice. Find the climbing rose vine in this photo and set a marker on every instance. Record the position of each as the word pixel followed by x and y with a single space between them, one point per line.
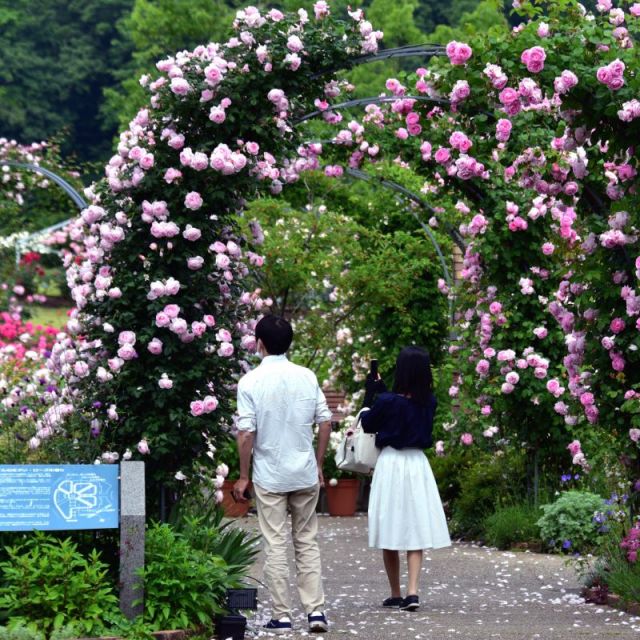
pixel 163 319
pixel 526 143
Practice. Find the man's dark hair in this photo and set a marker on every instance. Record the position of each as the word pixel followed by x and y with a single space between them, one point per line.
pixel 276 334
pixel 413 375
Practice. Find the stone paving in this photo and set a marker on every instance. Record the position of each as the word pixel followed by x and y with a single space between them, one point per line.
pixel 467 592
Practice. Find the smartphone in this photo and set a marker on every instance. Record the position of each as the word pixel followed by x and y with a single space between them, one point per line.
pixel 374 369
pixel 246 495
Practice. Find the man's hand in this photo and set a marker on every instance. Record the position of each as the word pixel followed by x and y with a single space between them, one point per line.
pixel 320 477
pixel 239 489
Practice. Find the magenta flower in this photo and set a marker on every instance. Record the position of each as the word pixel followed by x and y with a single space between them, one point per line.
pixel 534 59
pixel 458 52
pixel 466 439
pixel 617 325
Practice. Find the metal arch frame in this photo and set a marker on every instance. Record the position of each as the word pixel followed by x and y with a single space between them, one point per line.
pixel 78 200
pixel 371 100
pixel 406 193
pixel 428 50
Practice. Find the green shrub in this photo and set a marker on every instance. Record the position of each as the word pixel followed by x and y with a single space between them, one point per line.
pixel 489 482
pixel 48 583
pixel 623 578
pixel 19 632
pixel 184 587
pixel 509 525
pixel 448 471
pixel 567 523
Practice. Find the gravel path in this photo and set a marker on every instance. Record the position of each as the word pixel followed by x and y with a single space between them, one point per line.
pixel 466 592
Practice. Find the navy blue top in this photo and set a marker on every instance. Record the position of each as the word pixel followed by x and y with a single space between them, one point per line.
pixel 400 422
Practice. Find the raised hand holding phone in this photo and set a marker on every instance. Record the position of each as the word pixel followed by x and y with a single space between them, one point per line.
pixel 373 384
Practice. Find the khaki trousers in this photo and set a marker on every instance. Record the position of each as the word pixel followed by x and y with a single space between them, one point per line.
pixel 272 517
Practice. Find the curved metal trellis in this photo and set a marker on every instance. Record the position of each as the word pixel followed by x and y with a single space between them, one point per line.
pixel 406 193
pixel 78 200
pixel 371 100
pixel 410 50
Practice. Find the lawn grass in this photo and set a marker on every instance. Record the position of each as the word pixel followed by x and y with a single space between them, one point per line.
pixel 48 316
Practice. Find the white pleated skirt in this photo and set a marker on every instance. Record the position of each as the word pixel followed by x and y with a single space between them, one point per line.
pixel 405 510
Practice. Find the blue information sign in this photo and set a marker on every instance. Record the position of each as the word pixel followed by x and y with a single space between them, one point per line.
pixel 58 497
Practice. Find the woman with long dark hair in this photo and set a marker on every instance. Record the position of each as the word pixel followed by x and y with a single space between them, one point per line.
pixel 405 510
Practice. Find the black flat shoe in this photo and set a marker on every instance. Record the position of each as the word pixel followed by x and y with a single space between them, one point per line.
pixel 393 602
pixel 410 603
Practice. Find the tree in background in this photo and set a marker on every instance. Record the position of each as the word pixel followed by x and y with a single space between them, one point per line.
pixel 153 29
pixel 73 67
pixel 56 57
pixel 358 277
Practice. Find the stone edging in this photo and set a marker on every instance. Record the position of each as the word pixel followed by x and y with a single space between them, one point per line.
pixel 158 635
pixel 615 602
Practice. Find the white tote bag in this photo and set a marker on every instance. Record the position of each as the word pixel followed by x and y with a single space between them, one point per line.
pixel 357 451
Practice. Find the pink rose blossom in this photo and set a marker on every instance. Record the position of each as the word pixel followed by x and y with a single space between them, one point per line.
pixel 225 350
pixel 180 86
pixel 210 403
pixel 548 248
pixel 155 346
pixel 458 52
pixel 195 263
pixel 197 408
pixel 172 311
pixel 534 59
pixel 442 155
pixel 143 447
pixel 162 319
pixel 127 337
pixel 466 439
pixel 540 332
pixel 127 352
pixel 294 44
pixel 193 200
pixel 574 447
pixel 482 367
pixel 617 325
pixel 191 233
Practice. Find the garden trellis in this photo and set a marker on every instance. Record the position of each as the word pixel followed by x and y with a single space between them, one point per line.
pixel 515 137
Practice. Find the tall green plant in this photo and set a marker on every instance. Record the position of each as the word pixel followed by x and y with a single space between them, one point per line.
pixel 48 584
pixel 184 587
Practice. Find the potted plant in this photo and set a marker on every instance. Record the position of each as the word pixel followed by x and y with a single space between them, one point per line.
pixel 341 487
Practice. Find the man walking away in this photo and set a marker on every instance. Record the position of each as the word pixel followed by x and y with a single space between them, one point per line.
pixel 278 404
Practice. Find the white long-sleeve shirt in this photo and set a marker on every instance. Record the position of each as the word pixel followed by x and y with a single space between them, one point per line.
pixel 281 401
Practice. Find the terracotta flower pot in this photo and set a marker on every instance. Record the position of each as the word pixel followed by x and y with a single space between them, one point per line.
pixel 343 497
pixel 231 508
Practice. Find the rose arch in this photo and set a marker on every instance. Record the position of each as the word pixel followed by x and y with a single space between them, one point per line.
pixel 522 145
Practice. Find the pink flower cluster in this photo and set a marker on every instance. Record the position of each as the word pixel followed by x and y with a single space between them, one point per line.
pixel 534 59
pixel 631 543
pixel 578 457
pixel 612 75
pixel 458 52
